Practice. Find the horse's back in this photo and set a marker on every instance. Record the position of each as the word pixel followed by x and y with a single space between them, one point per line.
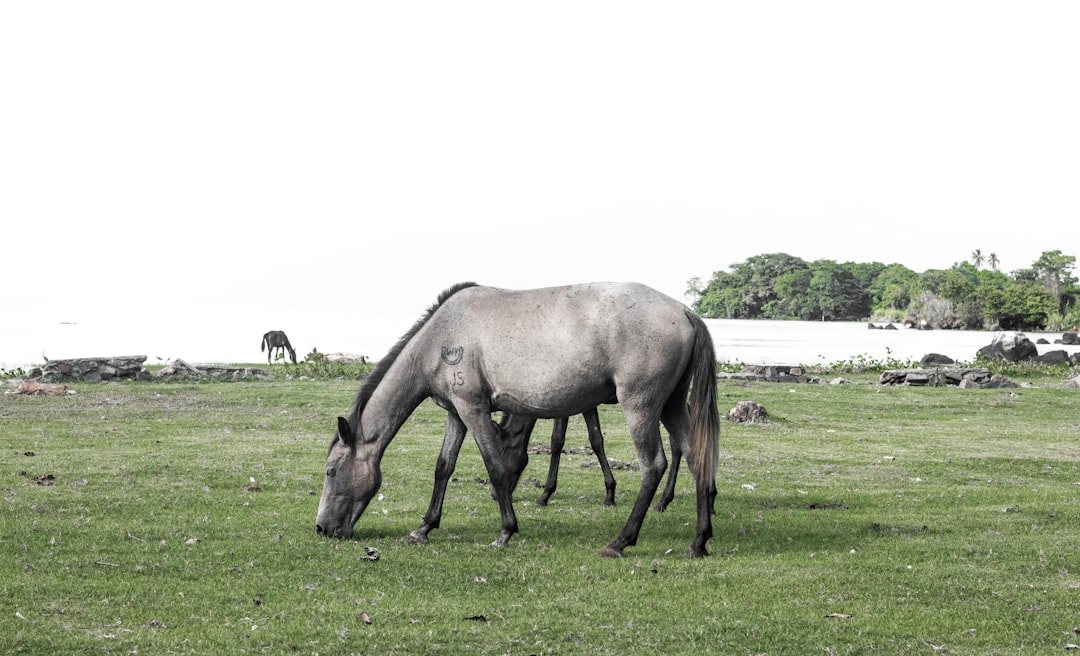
pixel 571 345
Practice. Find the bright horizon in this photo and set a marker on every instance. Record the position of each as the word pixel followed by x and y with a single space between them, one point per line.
pixel 248 155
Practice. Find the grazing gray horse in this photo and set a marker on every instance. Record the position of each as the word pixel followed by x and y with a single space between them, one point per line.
pixel 276 339
pixel 548 353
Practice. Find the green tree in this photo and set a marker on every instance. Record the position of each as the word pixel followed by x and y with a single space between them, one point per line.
pixel 1019 305
pixel 1052 272
pixel 721 298
pixel 824 291
pixel 892 289
pixel 748 289
pixel 778 285
pixel 977 258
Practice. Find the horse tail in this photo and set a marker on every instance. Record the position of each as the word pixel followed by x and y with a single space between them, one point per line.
pixel 262 345
pixel 704 415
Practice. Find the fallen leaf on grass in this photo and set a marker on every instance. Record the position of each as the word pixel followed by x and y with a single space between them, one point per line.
pixel 839 616
pixel 47 479
pixel 371 553
pixel 477 618
pixel 252 488
pixel 364 617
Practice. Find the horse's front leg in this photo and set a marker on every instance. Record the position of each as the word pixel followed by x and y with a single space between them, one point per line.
pixel 505 456
pixel 453 438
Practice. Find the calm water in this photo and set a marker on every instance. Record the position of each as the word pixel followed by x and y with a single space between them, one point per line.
pixel 212 338
pixel 808 342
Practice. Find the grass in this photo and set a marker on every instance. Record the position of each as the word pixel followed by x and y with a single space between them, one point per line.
pixel 859 520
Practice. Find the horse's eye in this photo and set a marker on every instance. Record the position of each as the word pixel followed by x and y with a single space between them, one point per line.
pixel 330 471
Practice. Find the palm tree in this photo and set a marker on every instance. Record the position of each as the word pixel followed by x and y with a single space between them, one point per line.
pixel 993 261
pixel 977 258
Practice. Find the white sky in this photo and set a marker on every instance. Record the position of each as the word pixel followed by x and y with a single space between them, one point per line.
pixel 372 154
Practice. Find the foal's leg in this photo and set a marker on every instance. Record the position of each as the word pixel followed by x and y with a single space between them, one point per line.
pixel 646 433
pixel 505 456
pixel 558 440
pixel 673 473
pixel 596 441
pixel 453 437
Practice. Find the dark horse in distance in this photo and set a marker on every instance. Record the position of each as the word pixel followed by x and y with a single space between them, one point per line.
pixel 545 353
pixel 277 340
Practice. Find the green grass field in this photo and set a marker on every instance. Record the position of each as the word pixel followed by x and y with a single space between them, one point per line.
pixel 179 519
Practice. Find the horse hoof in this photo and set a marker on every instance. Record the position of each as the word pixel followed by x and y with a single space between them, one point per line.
pixel 695 553
pixel 610 552
pixel 418 538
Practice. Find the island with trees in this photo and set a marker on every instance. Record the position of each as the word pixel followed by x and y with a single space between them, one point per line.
pixel 973 294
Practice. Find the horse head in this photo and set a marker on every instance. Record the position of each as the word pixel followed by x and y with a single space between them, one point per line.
pixel 353 476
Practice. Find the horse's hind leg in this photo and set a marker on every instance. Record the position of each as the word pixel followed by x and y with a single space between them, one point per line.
pixel 453 437
pixel 558 440
pixel 653 463
pixel 676 419
pixel 596 441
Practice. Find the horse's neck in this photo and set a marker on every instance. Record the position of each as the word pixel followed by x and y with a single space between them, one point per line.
pixel 397 395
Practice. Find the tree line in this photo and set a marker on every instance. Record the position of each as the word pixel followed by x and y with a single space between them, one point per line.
pixel 972 294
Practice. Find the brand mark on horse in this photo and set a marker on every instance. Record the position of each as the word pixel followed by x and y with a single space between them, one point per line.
pixel 452 355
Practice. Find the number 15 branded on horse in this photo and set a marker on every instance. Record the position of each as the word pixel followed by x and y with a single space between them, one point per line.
pixel 547 353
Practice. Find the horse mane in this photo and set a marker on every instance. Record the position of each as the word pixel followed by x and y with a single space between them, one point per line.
pixel 384 364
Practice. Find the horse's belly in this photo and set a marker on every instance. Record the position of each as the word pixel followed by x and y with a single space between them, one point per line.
pixel 553 402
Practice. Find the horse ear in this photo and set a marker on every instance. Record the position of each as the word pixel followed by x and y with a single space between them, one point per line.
pixel 345 432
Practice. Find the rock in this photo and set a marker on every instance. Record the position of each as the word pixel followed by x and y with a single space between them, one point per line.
pixel 935 360
pixel 346 358
pixel 998 381
pixel 92 369
pixel 1011 346
pixel 963 377
pixel 41 388
pixel 773 373
pixel 747 412
pixel 1071 338
pixel 1074 383
pixel 180 369
pixel 1060 356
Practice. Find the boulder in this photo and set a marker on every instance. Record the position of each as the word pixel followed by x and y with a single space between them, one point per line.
pixel 1060 356
pixel 747 412
pixel 773 373
pixel 935 360
pixel 42 388
pixel 183 370
pixel 1071 338
pixel 92 369
pixel 1012 346
pixel 178 369
pixel 975 377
